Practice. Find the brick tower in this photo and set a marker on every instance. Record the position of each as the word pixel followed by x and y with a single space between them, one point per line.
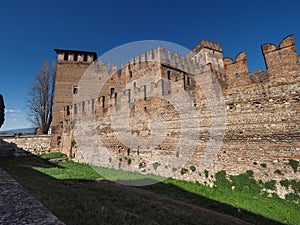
pixel 71 65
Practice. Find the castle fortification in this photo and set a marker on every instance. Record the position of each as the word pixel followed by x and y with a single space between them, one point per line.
pixel 262 109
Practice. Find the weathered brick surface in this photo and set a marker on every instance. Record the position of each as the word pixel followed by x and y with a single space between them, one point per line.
pixel 262 112
pixel 37 145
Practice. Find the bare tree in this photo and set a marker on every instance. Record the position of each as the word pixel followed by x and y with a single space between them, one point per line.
pixel 40 98
pixel 2 111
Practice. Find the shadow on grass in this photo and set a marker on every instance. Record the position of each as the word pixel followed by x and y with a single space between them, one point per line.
pixel 103 202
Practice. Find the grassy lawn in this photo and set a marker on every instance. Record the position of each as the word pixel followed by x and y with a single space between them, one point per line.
pixel 75 193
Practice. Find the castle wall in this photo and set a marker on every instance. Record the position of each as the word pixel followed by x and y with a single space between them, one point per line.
pixel 262 112
pixel 34 144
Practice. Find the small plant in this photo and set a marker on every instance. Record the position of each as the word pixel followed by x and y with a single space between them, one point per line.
pixel 193 168
pixel 174 169
pixel 285 183
pixel 263 165
pixel 129 161
pixel 295 185
pixel 73 143
pixel 183 171
pixel 278 172
pixel 128 151
pixel 271 185
pixel 177 154
pixel 120 164
pixel 249 173
pixel 110 159
pixel 206 173
pixel 294 164
pixel 292 197
pixel 221 180
pixel 156 165
pixel 141 165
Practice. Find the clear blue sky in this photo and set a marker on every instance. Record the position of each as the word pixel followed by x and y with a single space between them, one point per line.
pixel 30 30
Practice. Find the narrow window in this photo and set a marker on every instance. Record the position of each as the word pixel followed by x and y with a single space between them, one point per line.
pixel 188 81
pixel 66 56
pixel 103 102
pixel 116 95
pixel 75 57
pixel 112 91
pixel 68 110
pixel 134 84
pixel 130 73
pixel 58 140
pixel 169 75
pixel 75 90
pixel 236 75
pixel 85 58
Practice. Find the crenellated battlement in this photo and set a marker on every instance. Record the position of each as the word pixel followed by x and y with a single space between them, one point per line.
pixel 282 61
pixel 68 56
pixel 145 96
pixel 237 66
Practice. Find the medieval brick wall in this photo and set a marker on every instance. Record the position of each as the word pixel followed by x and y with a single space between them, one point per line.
pixel 71 65
pixel 262 113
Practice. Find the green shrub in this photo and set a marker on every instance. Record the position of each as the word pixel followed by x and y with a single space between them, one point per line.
pixel 206 173
pixel 193 168
pixel 292 197
pixel 141 165
pixel 295 185
pixel 285 183
pixel 129 161
pixel 73 143
pixel 174 169
pixel 244 183
pixel 271 185
pixel 249 173
pixel 183 171
pixel 221 180
pixel 156 165
pixel 294 164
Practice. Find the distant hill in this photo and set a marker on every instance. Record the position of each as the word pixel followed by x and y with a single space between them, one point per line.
pixel 21 130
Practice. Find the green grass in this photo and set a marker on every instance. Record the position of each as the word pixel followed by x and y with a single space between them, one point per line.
pixel 69 190
pixel 53 155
